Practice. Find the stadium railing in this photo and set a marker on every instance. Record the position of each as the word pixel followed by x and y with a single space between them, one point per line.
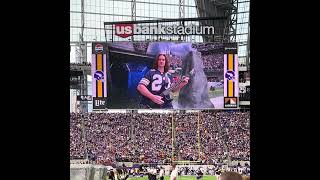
pixel 79 161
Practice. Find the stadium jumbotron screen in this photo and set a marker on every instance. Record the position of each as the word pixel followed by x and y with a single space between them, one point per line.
pixel 166 75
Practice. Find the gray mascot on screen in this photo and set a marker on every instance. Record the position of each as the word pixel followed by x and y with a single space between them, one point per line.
pixel 194 95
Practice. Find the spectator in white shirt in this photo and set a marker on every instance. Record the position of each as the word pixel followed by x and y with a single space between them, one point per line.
pixel 174 173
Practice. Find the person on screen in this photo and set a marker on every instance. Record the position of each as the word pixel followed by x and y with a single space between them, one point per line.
pixel 155 81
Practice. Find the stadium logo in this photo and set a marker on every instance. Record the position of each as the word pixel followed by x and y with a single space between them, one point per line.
pixel 98 48
pixel 98 75
pixel 126 30
pixel 230 75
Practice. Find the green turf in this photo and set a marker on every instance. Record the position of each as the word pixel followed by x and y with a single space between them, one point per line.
pixel 179 178
pixel 216 93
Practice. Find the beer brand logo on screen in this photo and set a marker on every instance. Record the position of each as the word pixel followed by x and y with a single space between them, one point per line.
pixel 230 75
pixel 98 75
pixel 126 30
pixel 99 103
pixel 99 48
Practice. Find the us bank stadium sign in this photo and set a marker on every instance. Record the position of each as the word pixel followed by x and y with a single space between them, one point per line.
pixel 126 30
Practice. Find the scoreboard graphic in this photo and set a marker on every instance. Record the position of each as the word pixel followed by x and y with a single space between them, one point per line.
pixel 118 67
pixel 231 76
pixel 99 75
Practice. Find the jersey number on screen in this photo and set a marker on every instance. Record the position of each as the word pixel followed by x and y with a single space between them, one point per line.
pixel 157 83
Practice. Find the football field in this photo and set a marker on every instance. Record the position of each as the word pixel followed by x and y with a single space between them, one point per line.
pixel 179 178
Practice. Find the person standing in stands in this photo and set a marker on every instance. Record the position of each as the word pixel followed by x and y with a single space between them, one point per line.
pixel 174 173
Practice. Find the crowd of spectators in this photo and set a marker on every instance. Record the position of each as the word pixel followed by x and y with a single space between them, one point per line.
pixel 214 79
pixel 147 137
pixel 236 133
pixel 175 62
pixel 213 61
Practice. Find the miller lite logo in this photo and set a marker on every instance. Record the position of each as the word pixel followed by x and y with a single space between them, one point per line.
pixel 124 30
pixel 230 75
pixel 99 102
pixel 98 48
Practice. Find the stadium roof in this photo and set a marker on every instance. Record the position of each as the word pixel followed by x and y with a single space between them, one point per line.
pixel 216 8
